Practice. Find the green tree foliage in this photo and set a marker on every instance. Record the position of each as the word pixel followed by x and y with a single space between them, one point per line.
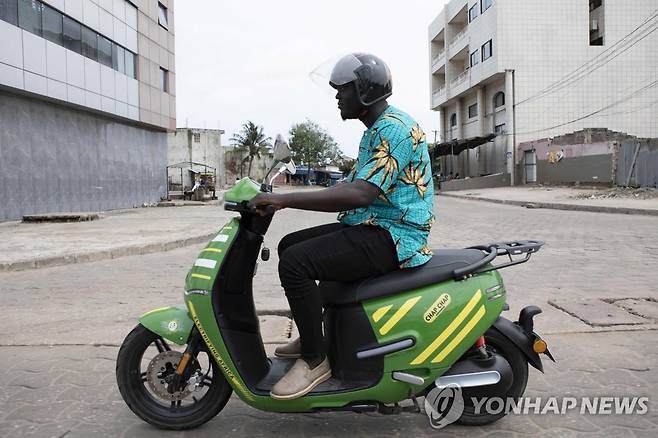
pixel 252 142
pixel 311 145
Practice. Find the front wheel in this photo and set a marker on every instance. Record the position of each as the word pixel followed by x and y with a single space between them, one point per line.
pixel 145 365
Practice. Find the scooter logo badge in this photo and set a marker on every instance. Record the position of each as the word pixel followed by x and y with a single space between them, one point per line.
pixel 444 406
pixel 436 308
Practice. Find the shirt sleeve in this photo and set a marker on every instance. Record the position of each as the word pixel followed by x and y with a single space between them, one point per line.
pixel 391 150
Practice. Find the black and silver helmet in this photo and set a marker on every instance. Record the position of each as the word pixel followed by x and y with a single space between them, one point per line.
pixel 370 75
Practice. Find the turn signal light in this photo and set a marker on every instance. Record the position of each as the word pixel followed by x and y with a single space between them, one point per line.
pixel 540 346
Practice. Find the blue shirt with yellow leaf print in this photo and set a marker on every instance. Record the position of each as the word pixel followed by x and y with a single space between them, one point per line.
pixel 393 156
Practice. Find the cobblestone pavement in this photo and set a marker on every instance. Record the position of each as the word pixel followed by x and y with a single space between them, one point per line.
pixel 70 391
pixel 51 390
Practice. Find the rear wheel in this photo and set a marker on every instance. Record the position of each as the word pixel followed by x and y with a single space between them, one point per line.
pixel 496 343
pixel 145 367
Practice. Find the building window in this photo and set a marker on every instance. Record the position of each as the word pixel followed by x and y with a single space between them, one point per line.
pixel 453 120
pixel 131 69
pixel 597 42
pixel 9 11
pixel 29 16
pixel 105 51
pixel 40 19
pixel 89 43
pixel 473 111
pixel 594 4
pixel 162 16
pixel 475 57
pixel 164 80
pixel 472 13
pixel 485 4
pixel 487 50
pixel 500 129
pixel 499 99
pixel 52 25
pixel 72 35
pixel 197 137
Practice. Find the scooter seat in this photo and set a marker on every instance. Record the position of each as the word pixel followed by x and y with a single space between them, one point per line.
pixel 438 269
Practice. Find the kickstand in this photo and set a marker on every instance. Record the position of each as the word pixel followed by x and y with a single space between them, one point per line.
pixel 415 408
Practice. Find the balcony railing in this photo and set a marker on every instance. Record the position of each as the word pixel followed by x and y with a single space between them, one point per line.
pixel 458 37
pixel 438 56
pixel 436 61
pixel 439 90
pixel 438 95
pixel 461 78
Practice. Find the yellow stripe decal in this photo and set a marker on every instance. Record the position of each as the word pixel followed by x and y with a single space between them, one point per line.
pixel 202 277
pixel 460 337
pixel 379 313
pixel 397 316
pixel 211 250
pixel 422 357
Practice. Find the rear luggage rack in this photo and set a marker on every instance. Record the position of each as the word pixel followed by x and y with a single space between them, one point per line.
pixel 493 250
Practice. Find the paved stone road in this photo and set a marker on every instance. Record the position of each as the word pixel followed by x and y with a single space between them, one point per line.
pixel 69 388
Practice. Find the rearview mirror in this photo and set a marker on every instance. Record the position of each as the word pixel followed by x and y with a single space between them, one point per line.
pixel 290 167
pixel 281 150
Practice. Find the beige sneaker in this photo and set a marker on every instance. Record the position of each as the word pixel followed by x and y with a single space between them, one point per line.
pixel 291 349
pixel 300 380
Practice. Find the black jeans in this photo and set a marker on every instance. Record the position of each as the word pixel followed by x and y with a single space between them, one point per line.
pixel 332 252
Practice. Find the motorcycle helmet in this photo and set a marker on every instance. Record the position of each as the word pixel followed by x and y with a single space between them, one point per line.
pixel 370 75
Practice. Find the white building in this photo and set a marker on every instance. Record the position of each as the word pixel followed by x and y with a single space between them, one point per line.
pixel 87 95
pixel 536 69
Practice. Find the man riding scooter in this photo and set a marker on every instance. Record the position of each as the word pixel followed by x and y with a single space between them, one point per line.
pixel 385 215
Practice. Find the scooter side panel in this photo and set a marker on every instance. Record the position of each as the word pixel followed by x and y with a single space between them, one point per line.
pixel 444 319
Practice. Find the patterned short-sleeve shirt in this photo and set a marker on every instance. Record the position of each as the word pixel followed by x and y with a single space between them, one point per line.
pixel 393 156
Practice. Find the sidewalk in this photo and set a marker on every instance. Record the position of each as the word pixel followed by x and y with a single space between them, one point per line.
pixel 118 233
pixel 624 201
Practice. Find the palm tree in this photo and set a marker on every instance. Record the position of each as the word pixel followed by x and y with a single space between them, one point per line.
pixel 251 140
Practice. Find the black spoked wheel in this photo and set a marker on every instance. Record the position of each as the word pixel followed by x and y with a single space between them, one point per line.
pixel 496 343
pixel 145 366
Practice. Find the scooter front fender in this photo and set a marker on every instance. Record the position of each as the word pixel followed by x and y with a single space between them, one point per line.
pixel 172 323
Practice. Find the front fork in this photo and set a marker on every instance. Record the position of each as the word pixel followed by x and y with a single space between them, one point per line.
pixel 182 373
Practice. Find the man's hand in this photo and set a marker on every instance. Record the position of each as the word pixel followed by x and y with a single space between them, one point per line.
pixel 263 199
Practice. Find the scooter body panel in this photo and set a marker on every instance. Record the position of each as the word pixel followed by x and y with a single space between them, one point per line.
pixel 444 319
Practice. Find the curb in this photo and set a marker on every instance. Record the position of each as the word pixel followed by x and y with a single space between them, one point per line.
pixel 122 251
pixel 556 206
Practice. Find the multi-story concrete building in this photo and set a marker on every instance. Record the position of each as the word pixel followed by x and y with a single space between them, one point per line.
pixel 87 95
pixel 528 70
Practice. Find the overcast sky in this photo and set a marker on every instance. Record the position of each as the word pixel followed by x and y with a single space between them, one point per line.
pixel 250 60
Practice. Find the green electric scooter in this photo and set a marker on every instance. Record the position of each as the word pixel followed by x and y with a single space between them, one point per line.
pixel 391 338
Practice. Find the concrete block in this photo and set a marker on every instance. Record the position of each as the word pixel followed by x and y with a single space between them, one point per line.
pixel 644 307
pixel 597 313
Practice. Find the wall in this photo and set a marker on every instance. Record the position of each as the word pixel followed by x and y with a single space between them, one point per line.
pixel 56 159
pixel 645 173
pixel 500 180
pixel 36 65
pixel 592 169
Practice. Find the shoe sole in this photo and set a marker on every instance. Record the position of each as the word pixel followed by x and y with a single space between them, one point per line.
pixel 288 355
pixel 304 391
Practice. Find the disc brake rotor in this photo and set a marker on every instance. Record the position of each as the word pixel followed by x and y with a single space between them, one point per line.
pixel 159 375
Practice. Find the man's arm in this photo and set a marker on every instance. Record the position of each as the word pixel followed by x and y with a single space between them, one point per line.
pixel 344 196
